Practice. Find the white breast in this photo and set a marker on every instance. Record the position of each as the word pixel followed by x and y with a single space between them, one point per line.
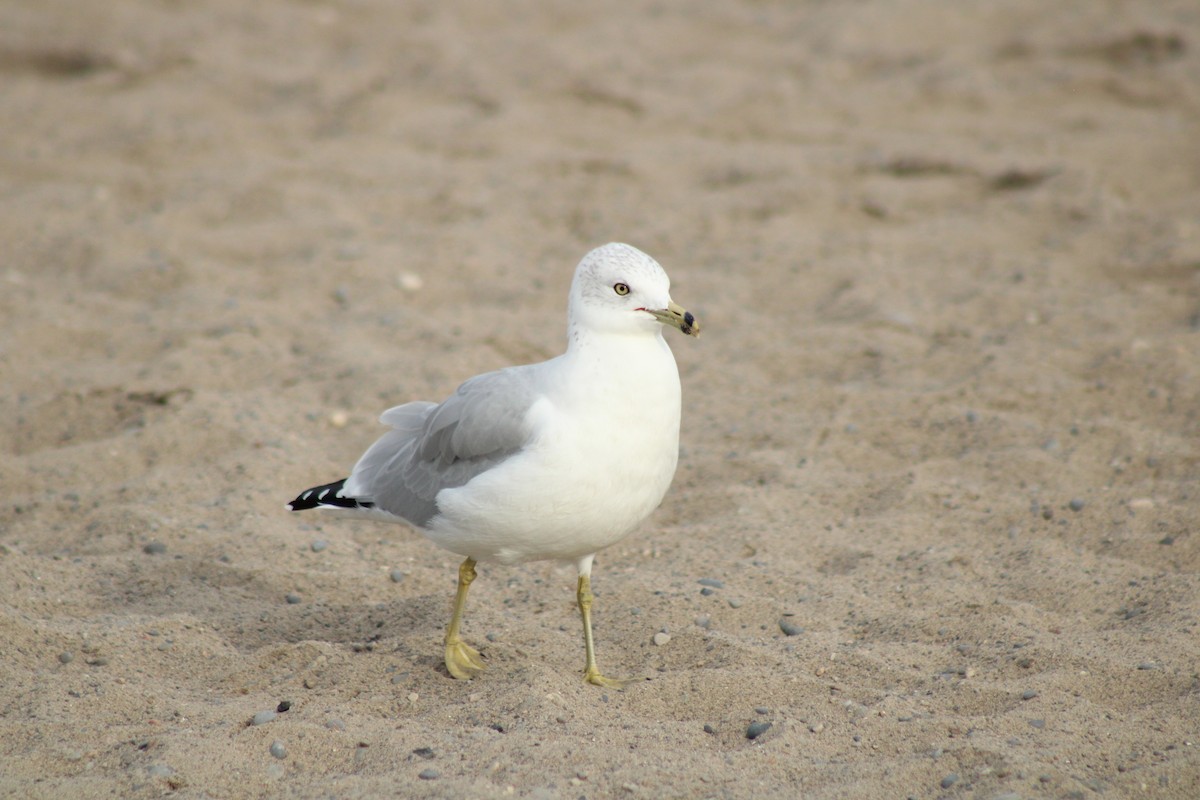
pixel 605 454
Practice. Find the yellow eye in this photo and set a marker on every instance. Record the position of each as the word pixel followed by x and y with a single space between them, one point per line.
pixel 621 288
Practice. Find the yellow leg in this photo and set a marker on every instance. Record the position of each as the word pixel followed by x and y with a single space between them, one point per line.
pixel 591 673
pixel 462 660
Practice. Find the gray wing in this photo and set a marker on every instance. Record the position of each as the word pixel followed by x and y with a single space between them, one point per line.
pixel 434 447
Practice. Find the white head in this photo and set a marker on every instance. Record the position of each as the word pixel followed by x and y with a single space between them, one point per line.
pixel 620 289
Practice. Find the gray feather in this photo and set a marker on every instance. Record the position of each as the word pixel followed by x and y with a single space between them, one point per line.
pixel 435 447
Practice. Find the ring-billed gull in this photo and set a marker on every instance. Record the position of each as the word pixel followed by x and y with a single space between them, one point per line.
pixel 555 460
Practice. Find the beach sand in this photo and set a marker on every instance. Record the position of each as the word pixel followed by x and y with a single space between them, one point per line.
pixel 943 424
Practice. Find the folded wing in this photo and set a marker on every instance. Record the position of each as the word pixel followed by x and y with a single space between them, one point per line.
pixel 435 447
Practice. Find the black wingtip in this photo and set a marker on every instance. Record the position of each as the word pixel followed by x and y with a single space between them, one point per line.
pixel 327 496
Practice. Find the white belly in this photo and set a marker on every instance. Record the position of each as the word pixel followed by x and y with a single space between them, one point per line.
pixel 601 463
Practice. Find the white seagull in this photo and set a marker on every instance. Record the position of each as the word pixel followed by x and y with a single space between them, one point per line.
pixel 555 460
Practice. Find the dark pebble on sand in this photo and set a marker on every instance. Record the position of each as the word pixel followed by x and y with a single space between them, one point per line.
pixel 292 598
pixel 396 575
pixel 66 657
pixel 757 729
pixel 424 752
pixel 429 774
pixel 712 583
pixel 285 705
pixel 949 780
pixel 1076 504
pixel 1029 694
pixel 318 545
pixel 790 628
pixel 154 548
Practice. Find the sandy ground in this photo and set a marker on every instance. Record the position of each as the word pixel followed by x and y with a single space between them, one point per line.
pixel 943 421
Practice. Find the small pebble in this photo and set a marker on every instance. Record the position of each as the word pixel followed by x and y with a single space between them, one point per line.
pixel 429 774
pixel 339 419
pixel 1147 665
pixel 735 603
pixel 263 717
pixel 703 621
pixel 292 598
pixel 335 724
pixel 1037 723
pixel 410 281
pixel 1029 694
pixel 712 583
pixel 1076 504
pixel 707 591
pixel 424 752
pixel 949 780
pixel 66 657
pixel 761 710
pixel 318 545
pixel 661 638
pixel 154 548
pixel 757 729
pixel 790 628
pixel 709 729
pixel 396 575
pixel 278 750
pixel 285 705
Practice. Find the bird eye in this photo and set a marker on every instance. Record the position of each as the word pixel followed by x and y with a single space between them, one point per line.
pixel 621 288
